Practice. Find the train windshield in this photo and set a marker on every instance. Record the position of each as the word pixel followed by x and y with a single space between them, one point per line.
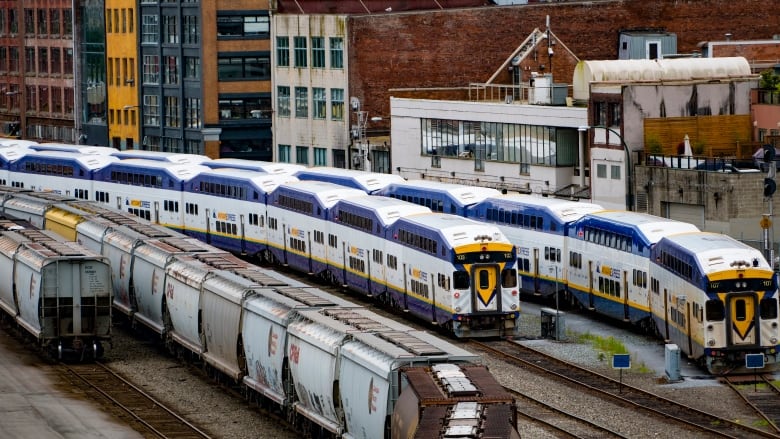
pixel 715 310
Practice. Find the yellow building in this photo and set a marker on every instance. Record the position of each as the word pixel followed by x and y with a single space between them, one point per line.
pixel 121 68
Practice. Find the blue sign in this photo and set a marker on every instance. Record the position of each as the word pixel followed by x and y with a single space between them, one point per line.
pixel 754 361
pixel 621 361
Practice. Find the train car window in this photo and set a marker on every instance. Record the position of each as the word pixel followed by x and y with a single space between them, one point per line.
pixel 484 279
pixel 461 280
pixel 558 255
pixel 739 310
pixel 508 278
pixel 715 311
pixel 769 308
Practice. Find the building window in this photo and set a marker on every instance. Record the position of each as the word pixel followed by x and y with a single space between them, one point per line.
pixel 616 116
pixel 42 27
pixel 302 155
pixel 337 53
pixel 337 104
pixel 170 30
pixel 601 170
pixel 150 28
pixel 192 113
pixel 13 60
pixel 318 52
pixel 29 60
pixel 615 172
pixel 283 51
pixel 190 31
pixel 600 114
pixel 301 102
pixel 283 101
pixel 191 67
pixel 319 103
pixel 243 26
pixel 29 21
pixel 67 23
pixel 151 110
pixel 67 62
pixel 320 157
pixel 300 51
pixel 56 61
pixel 43 60
pixel 172 112
pixel 284 153
pixel 245 108
pixel 54 22
pixel 250 67
pixel 151 69
pixel 171 72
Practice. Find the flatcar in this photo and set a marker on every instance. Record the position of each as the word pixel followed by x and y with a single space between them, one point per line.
pixel 56 291
pixel 716 298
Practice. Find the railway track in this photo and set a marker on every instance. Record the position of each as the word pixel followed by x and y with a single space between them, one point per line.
pixel 146 415
pixel 763 396
pixel 561 422
pixel 625 394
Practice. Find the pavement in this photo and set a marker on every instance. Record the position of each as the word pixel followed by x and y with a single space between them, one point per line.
pixel 34 404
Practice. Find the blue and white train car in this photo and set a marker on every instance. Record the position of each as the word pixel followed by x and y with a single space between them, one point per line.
pixel 18 143
pixel 226 208
pixel 455 272
pixel 369 182
pixel 609 260
pixel 538 227
pixel 272 168
pixel 298 223
pixel 359 226
pixel 150 189
pixel 439 197
pixel 716 298
pixel 9 155
pixel 171 157
pixel 61 172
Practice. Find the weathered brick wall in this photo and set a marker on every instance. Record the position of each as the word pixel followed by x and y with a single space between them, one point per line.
pixel 454 47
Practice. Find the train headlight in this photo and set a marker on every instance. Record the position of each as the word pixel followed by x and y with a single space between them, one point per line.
pixel 774 325
pixel 514 306
pixel 709 327
pixel 456 295
pixel 711 342
pixel 773 340
pixel 457 309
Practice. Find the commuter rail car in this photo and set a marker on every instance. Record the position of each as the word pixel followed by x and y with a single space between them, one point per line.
pixel 716 298
pixel 56 291
pixel 263 331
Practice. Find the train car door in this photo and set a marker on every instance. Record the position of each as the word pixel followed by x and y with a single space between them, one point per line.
pixel 590 286
pixel 484 284
pixel 666 313
pixel 536 271
pixel 742 319
pixel 688 326
pixel 242 229
pixel 626 316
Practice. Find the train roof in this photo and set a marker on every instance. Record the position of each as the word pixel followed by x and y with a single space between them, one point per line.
pixel 13 153
pixel 369 182
pixel 564 210
pixel 455 229
pixel 327 194
pixel 5 143
pixel 388 210
pixel 179 171
pixel 161 156
pixel 261 180
pixel 461 194
pixel 714 251
pixel 66 147
pixel 652 227
pixel 88 161
pixel 255 165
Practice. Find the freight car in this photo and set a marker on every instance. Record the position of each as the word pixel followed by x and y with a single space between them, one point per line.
pixel 333 368
pixel 56 291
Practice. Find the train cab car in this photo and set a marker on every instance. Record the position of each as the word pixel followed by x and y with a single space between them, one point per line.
pixel 65 173
pixel 57 291
pixel 369 182
pixel 538 228
pixel 298 226
pixel 608 260
pixel 9 155
pixel 455 272
pixel 227 208
pixel 272 168
pixel 149 189
pixel 359 228
pixel 439 197
pixel 716 298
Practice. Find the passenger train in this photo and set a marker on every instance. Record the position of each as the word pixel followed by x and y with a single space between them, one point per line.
pixel 56 291
pixel 597 259
pixel 261 330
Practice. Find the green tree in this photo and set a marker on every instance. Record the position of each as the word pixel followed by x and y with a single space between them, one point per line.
pixel 769 80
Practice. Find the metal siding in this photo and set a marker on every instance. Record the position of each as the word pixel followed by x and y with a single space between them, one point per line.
pixel 182 292
pixel 265 347
pixel 689 213
pixel 365 394
pixel 221 304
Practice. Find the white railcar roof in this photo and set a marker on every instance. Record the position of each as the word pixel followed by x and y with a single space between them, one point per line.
pixel 12 153
pixel 266 182
pixel 389 210
pixel 89 161
pixel 458 230
pixel 716 252
pixel 368 181
pixel 255 165
pixel 465 195
pixel 651 226
pixel 564 210
pixel 172 157
pixel 328 194
pixel 67 147
pixel 181 171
